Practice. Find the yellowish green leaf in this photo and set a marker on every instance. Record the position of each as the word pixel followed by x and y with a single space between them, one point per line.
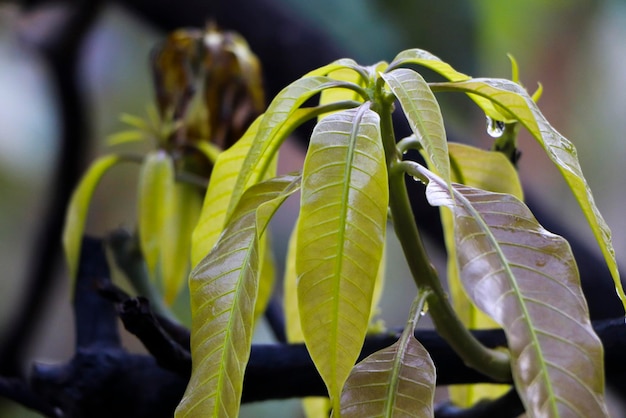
pixel 181 214
pixel 223 291
pixel 78 208
pixel 424 115
pixel 210 151
pixel 340 239
pixel 125 136
pixel 559 149
pixel 434 63
pixel 267 275
pixel 526 279
pixel 156 185
pixel 339 94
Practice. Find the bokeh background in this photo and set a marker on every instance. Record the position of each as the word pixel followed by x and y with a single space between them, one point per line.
pixel 576 49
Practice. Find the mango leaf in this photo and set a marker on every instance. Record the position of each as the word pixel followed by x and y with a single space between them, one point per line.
pixel 434 63
pixel 223 290
pixel 559 149
pixel 398 381
pixel 314 406
pixel 526 279
pixel 156 185
pixel 339 94
pixel 274 127
pixel 181 214
pixel 267 276
pixel 219 194
pixel 76 215
pixel 340 239
pixel 424 115
pixel 225 174
pixel 491 171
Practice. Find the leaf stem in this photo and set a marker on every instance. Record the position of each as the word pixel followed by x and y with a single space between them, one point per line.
pixel 494 363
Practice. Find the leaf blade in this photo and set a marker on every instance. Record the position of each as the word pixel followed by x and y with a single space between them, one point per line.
pixel 559 149
pixel 76 214
pixel 424 115
pixel 223 291
pixel 340 235
pixel 526 279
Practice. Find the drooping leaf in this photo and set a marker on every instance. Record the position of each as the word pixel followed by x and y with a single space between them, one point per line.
pixel 526 279
pixel 424 115
pixel 156 185
pixel 267 275
pixel 223 291
pixel 559 149
pixel 76 214
pixel 434 63
pixel 181 214
pixel 339 94
pixel 398 381
pixel 340 239
pixel 491 171
pixel 275 125
pixel 313 406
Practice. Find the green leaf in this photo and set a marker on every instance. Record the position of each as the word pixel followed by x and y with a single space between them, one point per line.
pixel 424 115
pixel 275 125
pixel 181 214
pixel 76 215
pixel 430 61
pixel 228 166
pixel 156 185
pixel 125 136
pixel 223 290
pixel 491 171
pixel 526 279
pixel 398 381
pixel 267 276
pixel 559 149
pixel 339 94
pixel 340 239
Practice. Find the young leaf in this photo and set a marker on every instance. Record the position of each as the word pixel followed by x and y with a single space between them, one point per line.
pixel 422 111
pixel 491 171
pixel 339 94
pixel 156 185
pixel 267 275
pixel 430 61
pixel 561 151
pixel 223 291
pixel 313 406
pixel 340 239
pixel 526 279
pixel 398 381
pixel 275 125
pixel 76 215
pixel 181 214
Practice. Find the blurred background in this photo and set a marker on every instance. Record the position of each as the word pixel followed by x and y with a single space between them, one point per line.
pixel 576 49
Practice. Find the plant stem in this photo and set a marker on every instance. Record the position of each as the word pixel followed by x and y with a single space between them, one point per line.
pixel 494 363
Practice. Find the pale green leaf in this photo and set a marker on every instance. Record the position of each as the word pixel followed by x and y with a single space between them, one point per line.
pixel 156 185
pixel 559 149
pixel 526 279
pixel 210 151
pixel 339 94
pixel 275 125
pixel 223 191
pixel 267 275
pixel 340 239
pixel 434 63
pixel 398 381
pixel 223 291
pixel 491 171
pixel 424 115
pixel 78 207
pixel 181 214
pixel 125 136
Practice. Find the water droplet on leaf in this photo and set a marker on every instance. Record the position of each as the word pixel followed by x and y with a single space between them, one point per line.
pixel 495 128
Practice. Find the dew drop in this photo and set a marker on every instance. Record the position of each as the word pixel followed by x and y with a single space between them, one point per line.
pixel 495 128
